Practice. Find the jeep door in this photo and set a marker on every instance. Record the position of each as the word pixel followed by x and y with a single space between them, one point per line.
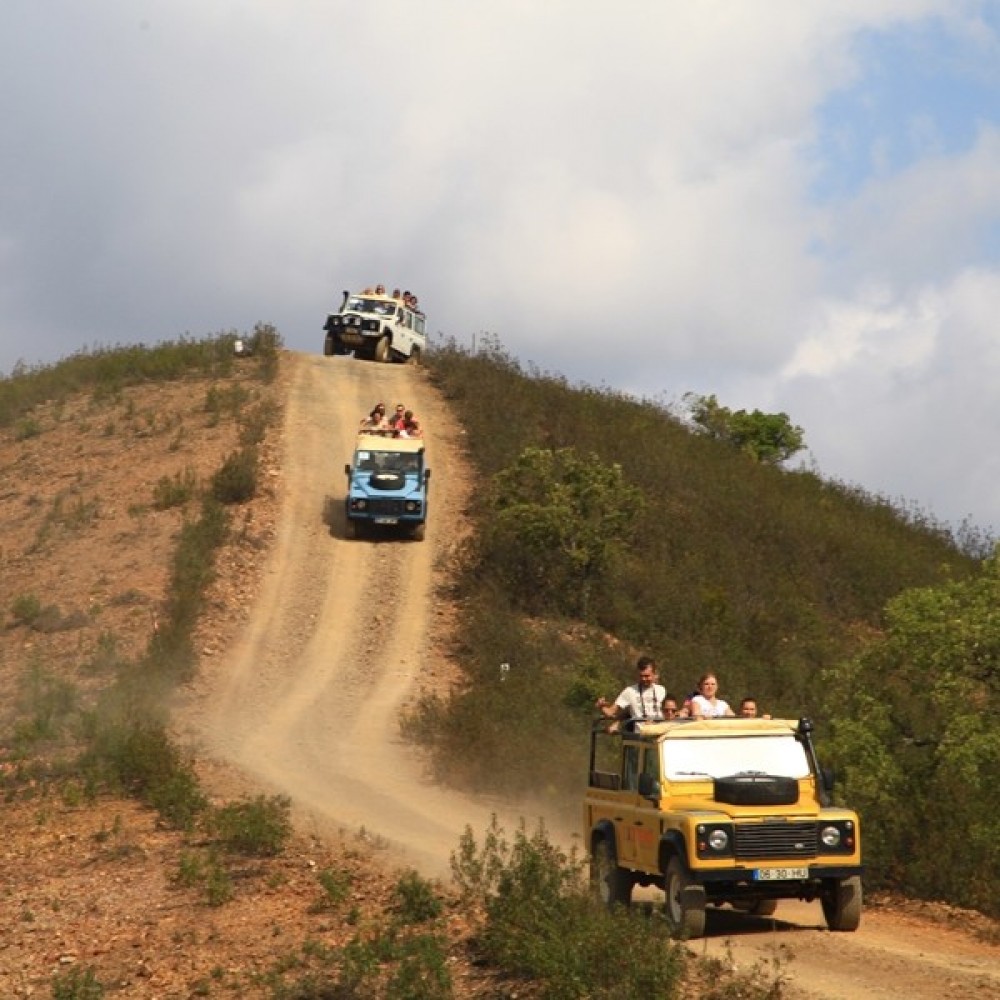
pixel 629 817
pixel 646 823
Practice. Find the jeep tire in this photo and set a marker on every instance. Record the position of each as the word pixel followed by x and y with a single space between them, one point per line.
pixel 383 350
pixel 684 906
pixel 611 883
pixel 414 358
pixel 842 904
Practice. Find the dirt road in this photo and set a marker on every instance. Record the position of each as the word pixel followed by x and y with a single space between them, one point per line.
pixel 306 702
pixel 338 641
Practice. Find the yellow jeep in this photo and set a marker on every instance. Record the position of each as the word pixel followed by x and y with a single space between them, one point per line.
pixel 719 811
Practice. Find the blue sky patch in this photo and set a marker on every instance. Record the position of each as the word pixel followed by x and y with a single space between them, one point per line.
pixel 922 92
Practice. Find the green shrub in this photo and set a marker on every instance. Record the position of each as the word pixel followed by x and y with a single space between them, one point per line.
pixel 543 923
pixel 218 885
pixel 190 869
pixel 421 971
pixel 204 870
pixel 415 901
pixel 139 757
pixel 175 490
pixel 170 653
pixel 178 798
pixel 265 343
pixel 77 984
pixel 255 423
pixel 257 826
pixel 26 608
pixel 235 481
pixel 25 428
pixel 336 888
pixel 228 399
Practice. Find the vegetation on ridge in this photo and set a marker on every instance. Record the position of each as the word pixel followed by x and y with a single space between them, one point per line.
pixel 780 581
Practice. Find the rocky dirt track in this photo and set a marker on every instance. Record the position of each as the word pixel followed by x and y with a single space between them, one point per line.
pixel 340 638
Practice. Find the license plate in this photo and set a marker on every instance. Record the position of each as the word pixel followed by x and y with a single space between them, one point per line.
pixel 386 520
pixel 780 874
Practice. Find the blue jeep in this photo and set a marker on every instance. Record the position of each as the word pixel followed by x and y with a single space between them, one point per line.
pixel 387 485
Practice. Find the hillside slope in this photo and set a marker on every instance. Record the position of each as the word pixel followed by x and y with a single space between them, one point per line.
pixel 306 702
pixel 310 644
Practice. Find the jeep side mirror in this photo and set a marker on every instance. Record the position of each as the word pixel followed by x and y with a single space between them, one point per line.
pixel 427 475
pixel 347 470
pixel 829 777
pixel 649 787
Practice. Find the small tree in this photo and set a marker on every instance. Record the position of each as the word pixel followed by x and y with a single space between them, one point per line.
pixel 558 521
pixel 916 738
pixel 766 437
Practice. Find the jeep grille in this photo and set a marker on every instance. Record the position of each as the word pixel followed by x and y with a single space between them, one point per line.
pixel 386 505
pixel 758 841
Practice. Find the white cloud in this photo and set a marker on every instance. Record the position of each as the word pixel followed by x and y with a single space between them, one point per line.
pixel 621 192
pixel 895 392
pixel 874 334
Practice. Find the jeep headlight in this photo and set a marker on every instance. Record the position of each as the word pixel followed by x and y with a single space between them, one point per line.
pixel 714 840
pixel 838 836
pixel 830 836
pixel 718 840
pixel 412 506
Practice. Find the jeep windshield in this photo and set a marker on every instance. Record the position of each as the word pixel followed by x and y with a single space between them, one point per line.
pixel 378 307
pixel 388 461
pixel 695 759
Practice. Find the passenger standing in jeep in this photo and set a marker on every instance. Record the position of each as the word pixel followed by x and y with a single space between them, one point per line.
pixel 705 704
pixel 642 700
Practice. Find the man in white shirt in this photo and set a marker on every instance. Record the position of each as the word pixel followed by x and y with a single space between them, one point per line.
pixel 642 700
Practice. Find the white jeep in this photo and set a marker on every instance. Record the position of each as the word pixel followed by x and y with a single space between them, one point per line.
pixel 378 327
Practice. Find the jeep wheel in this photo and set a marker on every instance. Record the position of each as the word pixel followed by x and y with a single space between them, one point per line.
pixel 328 346
pixel 382 350
pixel 611 883
pixel 842 904
pixel 685 902
pixel 417 533
pixel 414 358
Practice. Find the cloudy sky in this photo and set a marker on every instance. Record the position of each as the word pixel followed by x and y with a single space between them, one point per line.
pixel 794 206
